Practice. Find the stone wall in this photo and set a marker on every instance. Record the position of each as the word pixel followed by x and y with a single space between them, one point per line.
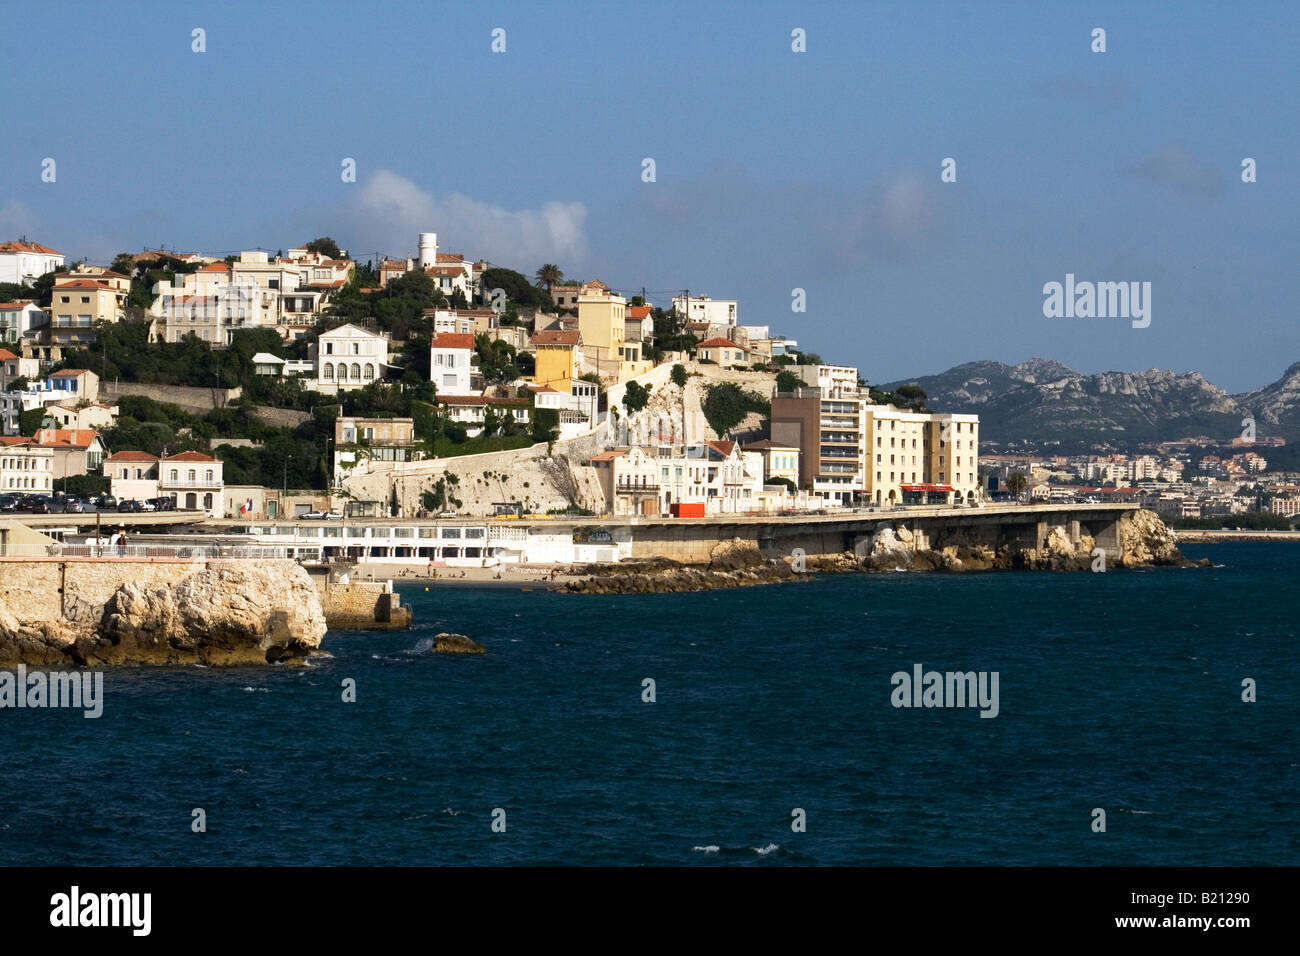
pixel 190 397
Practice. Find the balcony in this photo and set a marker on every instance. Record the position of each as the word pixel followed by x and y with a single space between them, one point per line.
pixel 190 484
pixel 627 488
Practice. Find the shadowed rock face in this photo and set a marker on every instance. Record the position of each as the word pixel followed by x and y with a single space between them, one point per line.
pixel 225 613
pixel 446 643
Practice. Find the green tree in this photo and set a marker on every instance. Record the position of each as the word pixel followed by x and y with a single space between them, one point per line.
pixel 913 395
pixel 635 396
pixel 326 247
pixel 726 404
pixel 678 375
pixel 787 381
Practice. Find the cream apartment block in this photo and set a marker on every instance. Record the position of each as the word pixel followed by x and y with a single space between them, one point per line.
pixel 920 457
pixel 25 468
pixel 79 300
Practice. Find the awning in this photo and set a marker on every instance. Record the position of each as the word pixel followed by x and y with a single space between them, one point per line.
pixel 927 487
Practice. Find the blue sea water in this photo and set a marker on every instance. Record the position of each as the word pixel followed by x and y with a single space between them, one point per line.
pixel 1119 690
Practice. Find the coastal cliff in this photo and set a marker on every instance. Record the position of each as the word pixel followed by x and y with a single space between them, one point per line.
pixel 219 613
pixel 1139 539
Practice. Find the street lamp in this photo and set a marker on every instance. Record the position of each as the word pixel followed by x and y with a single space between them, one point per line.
pixel 285 489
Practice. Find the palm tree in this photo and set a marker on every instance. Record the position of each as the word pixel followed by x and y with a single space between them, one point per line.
pixel 549 275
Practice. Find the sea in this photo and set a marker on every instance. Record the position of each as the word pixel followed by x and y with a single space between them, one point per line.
pixel 752 727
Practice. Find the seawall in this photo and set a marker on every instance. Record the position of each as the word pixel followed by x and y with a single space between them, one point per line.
pixel 352 605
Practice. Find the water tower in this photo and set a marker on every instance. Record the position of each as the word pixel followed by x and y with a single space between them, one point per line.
pixel 428 249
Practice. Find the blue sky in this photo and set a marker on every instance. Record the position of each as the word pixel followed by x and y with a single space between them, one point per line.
pixel 774 169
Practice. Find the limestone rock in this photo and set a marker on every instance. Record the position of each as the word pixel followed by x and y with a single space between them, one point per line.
pixel 229 612
pixel 446 643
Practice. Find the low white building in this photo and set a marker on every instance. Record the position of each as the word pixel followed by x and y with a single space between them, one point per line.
pixel 349 357
pixel 700 308
pixel 23 262
pixel 450 355
pixel 20 318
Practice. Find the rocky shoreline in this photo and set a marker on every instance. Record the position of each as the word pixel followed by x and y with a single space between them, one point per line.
pixel 225 613
pixel 1145 541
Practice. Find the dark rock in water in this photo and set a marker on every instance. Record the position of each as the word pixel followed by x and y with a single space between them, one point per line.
pixel 445 643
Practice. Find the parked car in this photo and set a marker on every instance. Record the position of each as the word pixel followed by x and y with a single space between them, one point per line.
pixel 163 504
pixel 314 516
pixel 334 515
pixel 446 514
pixel 8 502
pixel 34 505
pixel 74 506
pixel 130 505
pixel 57 505
pixel 148 505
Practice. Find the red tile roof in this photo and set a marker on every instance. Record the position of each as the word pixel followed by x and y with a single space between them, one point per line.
pixel 131 456
pixel 723 448
pixel 6 355
pixel 638 311
pixel 609 455
pixel 189 456
pixel 481 400
pixel 444 270
pixel 20 246
pixel 556 337
pixel 216 267
pixel 67 437
pixel 721 343
pixel 10 306
pixel 83 284
pixel 452 340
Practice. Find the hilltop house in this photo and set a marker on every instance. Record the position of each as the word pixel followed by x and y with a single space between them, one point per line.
pixel 23 262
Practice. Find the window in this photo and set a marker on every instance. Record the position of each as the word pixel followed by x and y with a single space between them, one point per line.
pixel 329 372
pixel 175 474
pixel 329 348
pixel 207 475
pixel 190 475
pixel 370 372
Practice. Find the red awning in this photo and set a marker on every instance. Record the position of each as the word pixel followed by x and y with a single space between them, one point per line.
pixel 927 488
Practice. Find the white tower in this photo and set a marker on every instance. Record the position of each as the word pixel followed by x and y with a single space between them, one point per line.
pixel 428 249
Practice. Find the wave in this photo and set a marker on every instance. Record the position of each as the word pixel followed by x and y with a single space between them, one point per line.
pixel 765 850
pixel 711 848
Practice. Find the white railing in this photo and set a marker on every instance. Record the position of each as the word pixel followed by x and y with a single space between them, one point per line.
pixel 195 552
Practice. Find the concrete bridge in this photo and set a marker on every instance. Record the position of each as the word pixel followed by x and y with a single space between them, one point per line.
pixel 692 539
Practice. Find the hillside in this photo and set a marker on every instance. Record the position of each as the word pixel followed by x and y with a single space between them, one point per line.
pixel 1042 400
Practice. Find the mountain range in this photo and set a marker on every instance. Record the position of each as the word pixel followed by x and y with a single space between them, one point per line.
pixel 1041 400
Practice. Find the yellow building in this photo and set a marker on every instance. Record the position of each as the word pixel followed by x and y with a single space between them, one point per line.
pixel 556 353
pixel 601 318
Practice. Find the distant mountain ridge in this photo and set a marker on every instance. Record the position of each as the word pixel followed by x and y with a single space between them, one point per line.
pixel 1044 400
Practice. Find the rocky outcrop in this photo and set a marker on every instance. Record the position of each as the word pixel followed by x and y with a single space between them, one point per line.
pixel 446 643
pixel 232 612
pixel 1143 538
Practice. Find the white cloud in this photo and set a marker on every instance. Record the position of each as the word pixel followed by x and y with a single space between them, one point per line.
pixel 390 211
